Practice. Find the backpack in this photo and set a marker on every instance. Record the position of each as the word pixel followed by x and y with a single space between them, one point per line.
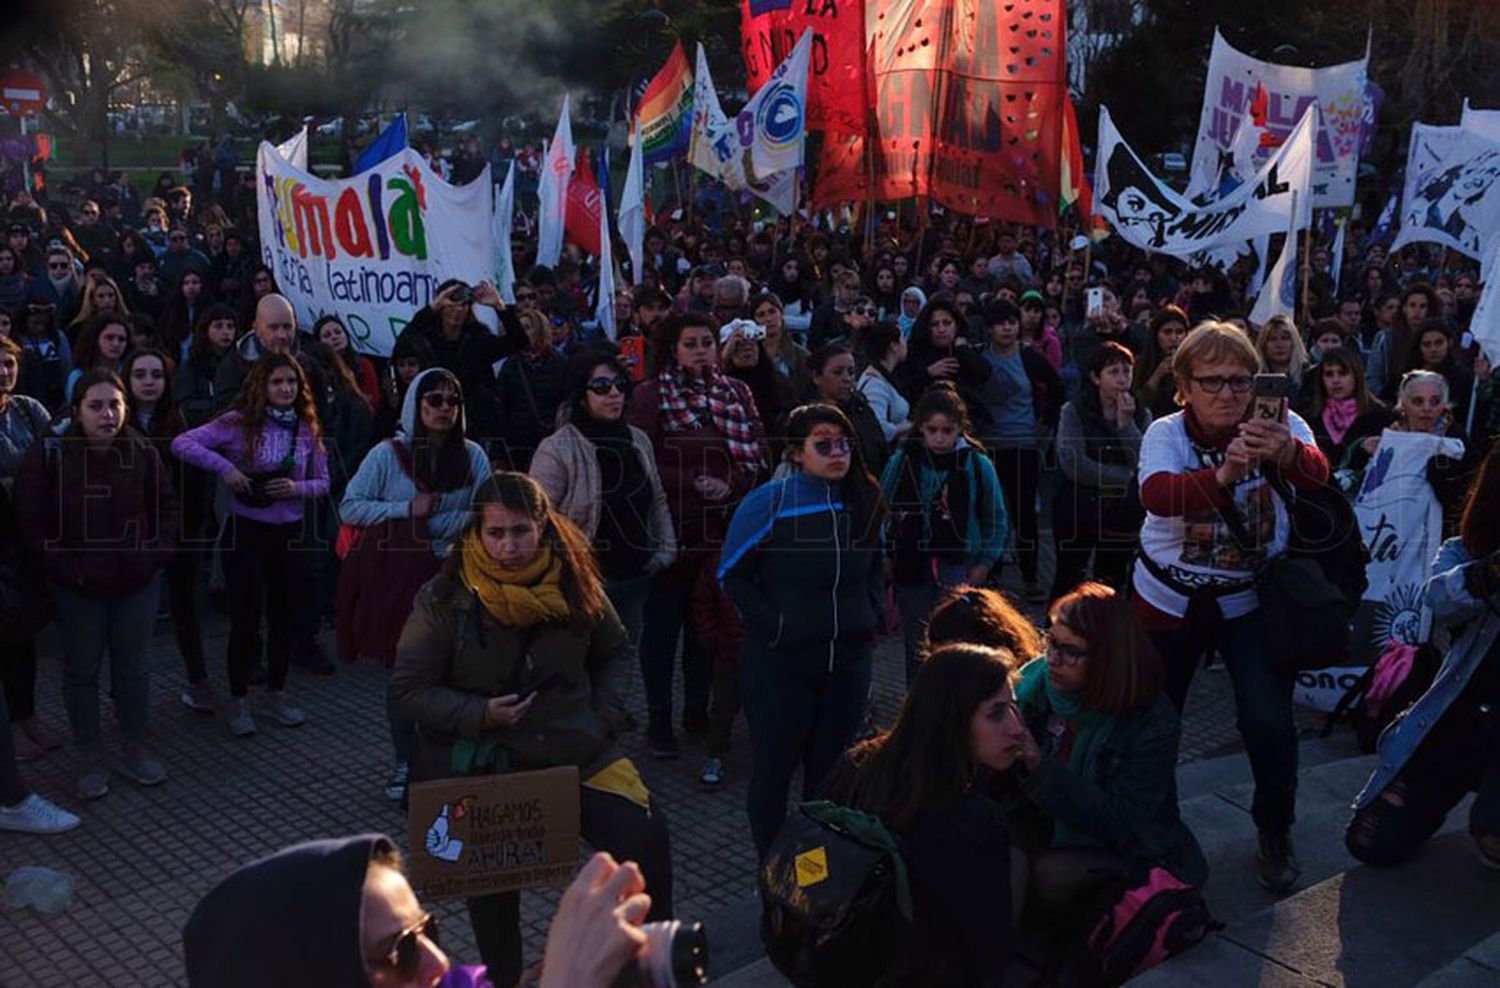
pixel 1143 921
pixel 833 893
pixel 1392 683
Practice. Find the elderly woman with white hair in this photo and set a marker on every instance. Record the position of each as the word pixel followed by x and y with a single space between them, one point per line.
pixel 1424 404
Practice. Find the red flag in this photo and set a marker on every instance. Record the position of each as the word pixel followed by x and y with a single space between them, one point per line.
pixel 582 225
pixel 837 97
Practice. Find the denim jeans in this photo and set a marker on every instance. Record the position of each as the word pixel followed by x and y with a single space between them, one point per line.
pixel 90 625
pixel 664 622
pixel 915 601
pixel 1262 701
pixel 798 713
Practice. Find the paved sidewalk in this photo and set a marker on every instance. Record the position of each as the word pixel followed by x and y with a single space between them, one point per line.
pixel 143 858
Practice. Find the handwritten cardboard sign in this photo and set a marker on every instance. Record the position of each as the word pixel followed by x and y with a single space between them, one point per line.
pixel 494 833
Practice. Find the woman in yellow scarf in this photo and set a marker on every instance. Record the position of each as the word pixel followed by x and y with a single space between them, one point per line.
pixel 513 659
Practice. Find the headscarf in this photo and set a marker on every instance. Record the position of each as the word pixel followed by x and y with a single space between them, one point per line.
pixel 905 321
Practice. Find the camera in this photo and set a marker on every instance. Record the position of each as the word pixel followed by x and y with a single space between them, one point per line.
pixel 462 295
pixel 674 955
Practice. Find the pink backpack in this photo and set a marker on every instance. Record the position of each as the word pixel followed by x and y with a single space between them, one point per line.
pixel 1146 921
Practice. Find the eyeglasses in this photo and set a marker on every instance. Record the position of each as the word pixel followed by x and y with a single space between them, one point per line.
pixel 406 952
pixel 832 447
pixel 1063 655
pixel 1214 383
pixel 602 386
pixel 58 265
pixel 439 400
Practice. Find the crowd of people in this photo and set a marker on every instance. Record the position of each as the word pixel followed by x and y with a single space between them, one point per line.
pixel 800 437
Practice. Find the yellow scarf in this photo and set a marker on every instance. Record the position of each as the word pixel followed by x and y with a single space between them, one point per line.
pixel 517 598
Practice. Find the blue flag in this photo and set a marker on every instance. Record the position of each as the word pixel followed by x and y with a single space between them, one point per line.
pixel 388 142
pixel 604 192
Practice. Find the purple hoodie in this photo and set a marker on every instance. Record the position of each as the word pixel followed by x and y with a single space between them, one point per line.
pixel 218 446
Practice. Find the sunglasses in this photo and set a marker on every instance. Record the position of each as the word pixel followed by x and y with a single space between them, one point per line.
pixel 437 400
pixel 869 311
pixel 406 952
pixel 602 386
pixel 832 447
pixel 58 265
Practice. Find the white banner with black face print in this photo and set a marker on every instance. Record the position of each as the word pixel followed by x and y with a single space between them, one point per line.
pixel 1148 214
pixel 1457 203
pixel 1485 123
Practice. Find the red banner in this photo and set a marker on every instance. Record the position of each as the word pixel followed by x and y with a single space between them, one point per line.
pixel 837 96
pixel 969 98
pixel 582 223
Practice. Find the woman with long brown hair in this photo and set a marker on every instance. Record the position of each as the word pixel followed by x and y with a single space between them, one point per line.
pixel 514 659
pixel 1344 411
pixel 268 450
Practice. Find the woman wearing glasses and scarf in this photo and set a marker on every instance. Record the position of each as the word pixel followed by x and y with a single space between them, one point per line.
pixel 802 566
pixel 600 471
pixel 1195 575
pixel 710 446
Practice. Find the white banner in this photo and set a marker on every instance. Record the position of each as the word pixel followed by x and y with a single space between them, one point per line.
pixel 1278 293
pixel 776 115
pixel 1485 323
pixel 1401 522
pixel 1485 123
pixel 500 223
pixel 371 249
pixel 1148 214
pixel 1457 203
pixel 1336 92
pixel 720 148
pixel 552 190
pixel 632 214
pixel 294 150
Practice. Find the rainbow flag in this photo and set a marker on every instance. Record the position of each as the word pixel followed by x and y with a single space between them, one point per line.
pixel 666 109
pixel 1074 186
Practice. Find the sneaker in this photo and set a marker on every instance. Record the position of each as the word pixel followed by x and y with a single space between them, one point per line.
pixel 695 722
pixel 712 776
pixel 35 815
pixel 93 782
pixel 241 724
pixel 40 734
pixel 198 697
pixel 26 749
pixel 662 741
pixel 140 765
pixel 1276 865
pixel 395 786
pixel 278 709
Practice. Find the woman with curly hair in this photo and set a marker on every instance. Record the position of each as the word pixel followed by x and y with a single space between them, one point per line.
pixel 268 450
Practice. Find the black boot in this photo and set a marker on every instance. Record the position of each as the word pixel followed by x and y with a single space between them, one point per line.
pixel 1276 865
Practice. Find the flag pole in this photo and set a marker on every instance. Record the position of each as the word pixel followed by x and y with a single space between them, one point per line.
pixel 1306 266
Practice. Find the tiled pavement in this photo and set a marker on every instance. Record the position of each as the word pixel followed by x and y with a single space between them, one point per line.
pixel 143 857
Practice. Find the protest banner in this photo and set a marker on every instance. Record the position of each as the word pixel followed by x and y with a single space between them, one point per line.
pixel 1485 123
pixel 1401 523
pixel 370 249
pixel 552 190
pixel 1457 203
pixel 722 148
pixel 479 834
pixel 1485 323
pixel 1337 93
pixel 1148 214
pixel 665 111
pixel 837 96
pixel 585 206
pixel 500 223
pixel 294 150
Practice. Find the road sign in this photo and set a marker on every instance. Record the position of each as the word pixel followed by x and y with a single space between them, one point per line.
pixel 23 93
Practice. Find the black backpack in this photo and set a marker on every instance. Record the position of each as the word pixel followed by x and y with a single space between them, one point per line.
pixel 835 902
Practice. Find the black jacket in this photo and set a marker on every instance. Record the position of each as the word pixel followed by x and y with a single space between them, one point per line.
pixel 471 358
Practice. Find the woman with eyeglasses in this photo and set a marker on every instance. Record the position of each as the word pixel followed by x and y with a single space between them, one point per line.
pixel 1212 516
pixel 801 563
pixel 833 372
pixel 1098 765
pixel 514 659
pixel 600 472
pixel 406 502
pixel 710 447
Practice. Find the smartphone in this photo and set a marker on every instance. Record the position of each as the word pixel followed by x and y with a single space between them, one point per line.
pixel 1093 301
pixel 1271 393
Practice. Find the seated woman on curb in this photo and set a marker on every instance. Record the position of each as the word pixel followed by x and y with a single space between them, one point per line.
pixel 1100 762
pixel 928 780
pixel 1448 742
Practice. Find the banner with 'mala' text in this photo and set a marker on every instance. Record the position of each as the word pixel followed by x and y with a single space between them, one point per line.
pixel 370 249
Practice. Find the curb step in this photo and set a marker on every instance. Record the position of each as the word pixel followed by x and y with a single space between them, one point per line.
pixel 1479 965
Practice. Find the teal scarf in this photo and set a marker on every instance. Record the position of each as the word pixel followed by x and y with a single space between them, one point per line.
pixel 1091 729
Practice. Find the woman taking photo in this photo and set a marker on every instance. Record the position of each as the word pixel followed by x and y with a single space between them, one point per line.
pixel 1197 466
pixel 787 356
pixel 948 523
pixel 268 450
pixel 153 413
pixel 1156 390
pixel 407 502
pixel 937 352
pixel 1098 512
pixel 513 659
pixel 1344 412
pixel 1444 745
pixel 103 558
pixel 1099 763
pixel 929 779
pixel 710 450
pixel 832 371
pixel 886 348
pixel 600 472
pixel 801 564
pixel 193 383
pixel 744 358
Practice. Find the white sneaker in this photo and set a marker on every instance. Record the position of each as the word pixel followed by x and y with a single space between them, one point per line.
pixel 241 724
pixel 35 815
pixel 278 709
